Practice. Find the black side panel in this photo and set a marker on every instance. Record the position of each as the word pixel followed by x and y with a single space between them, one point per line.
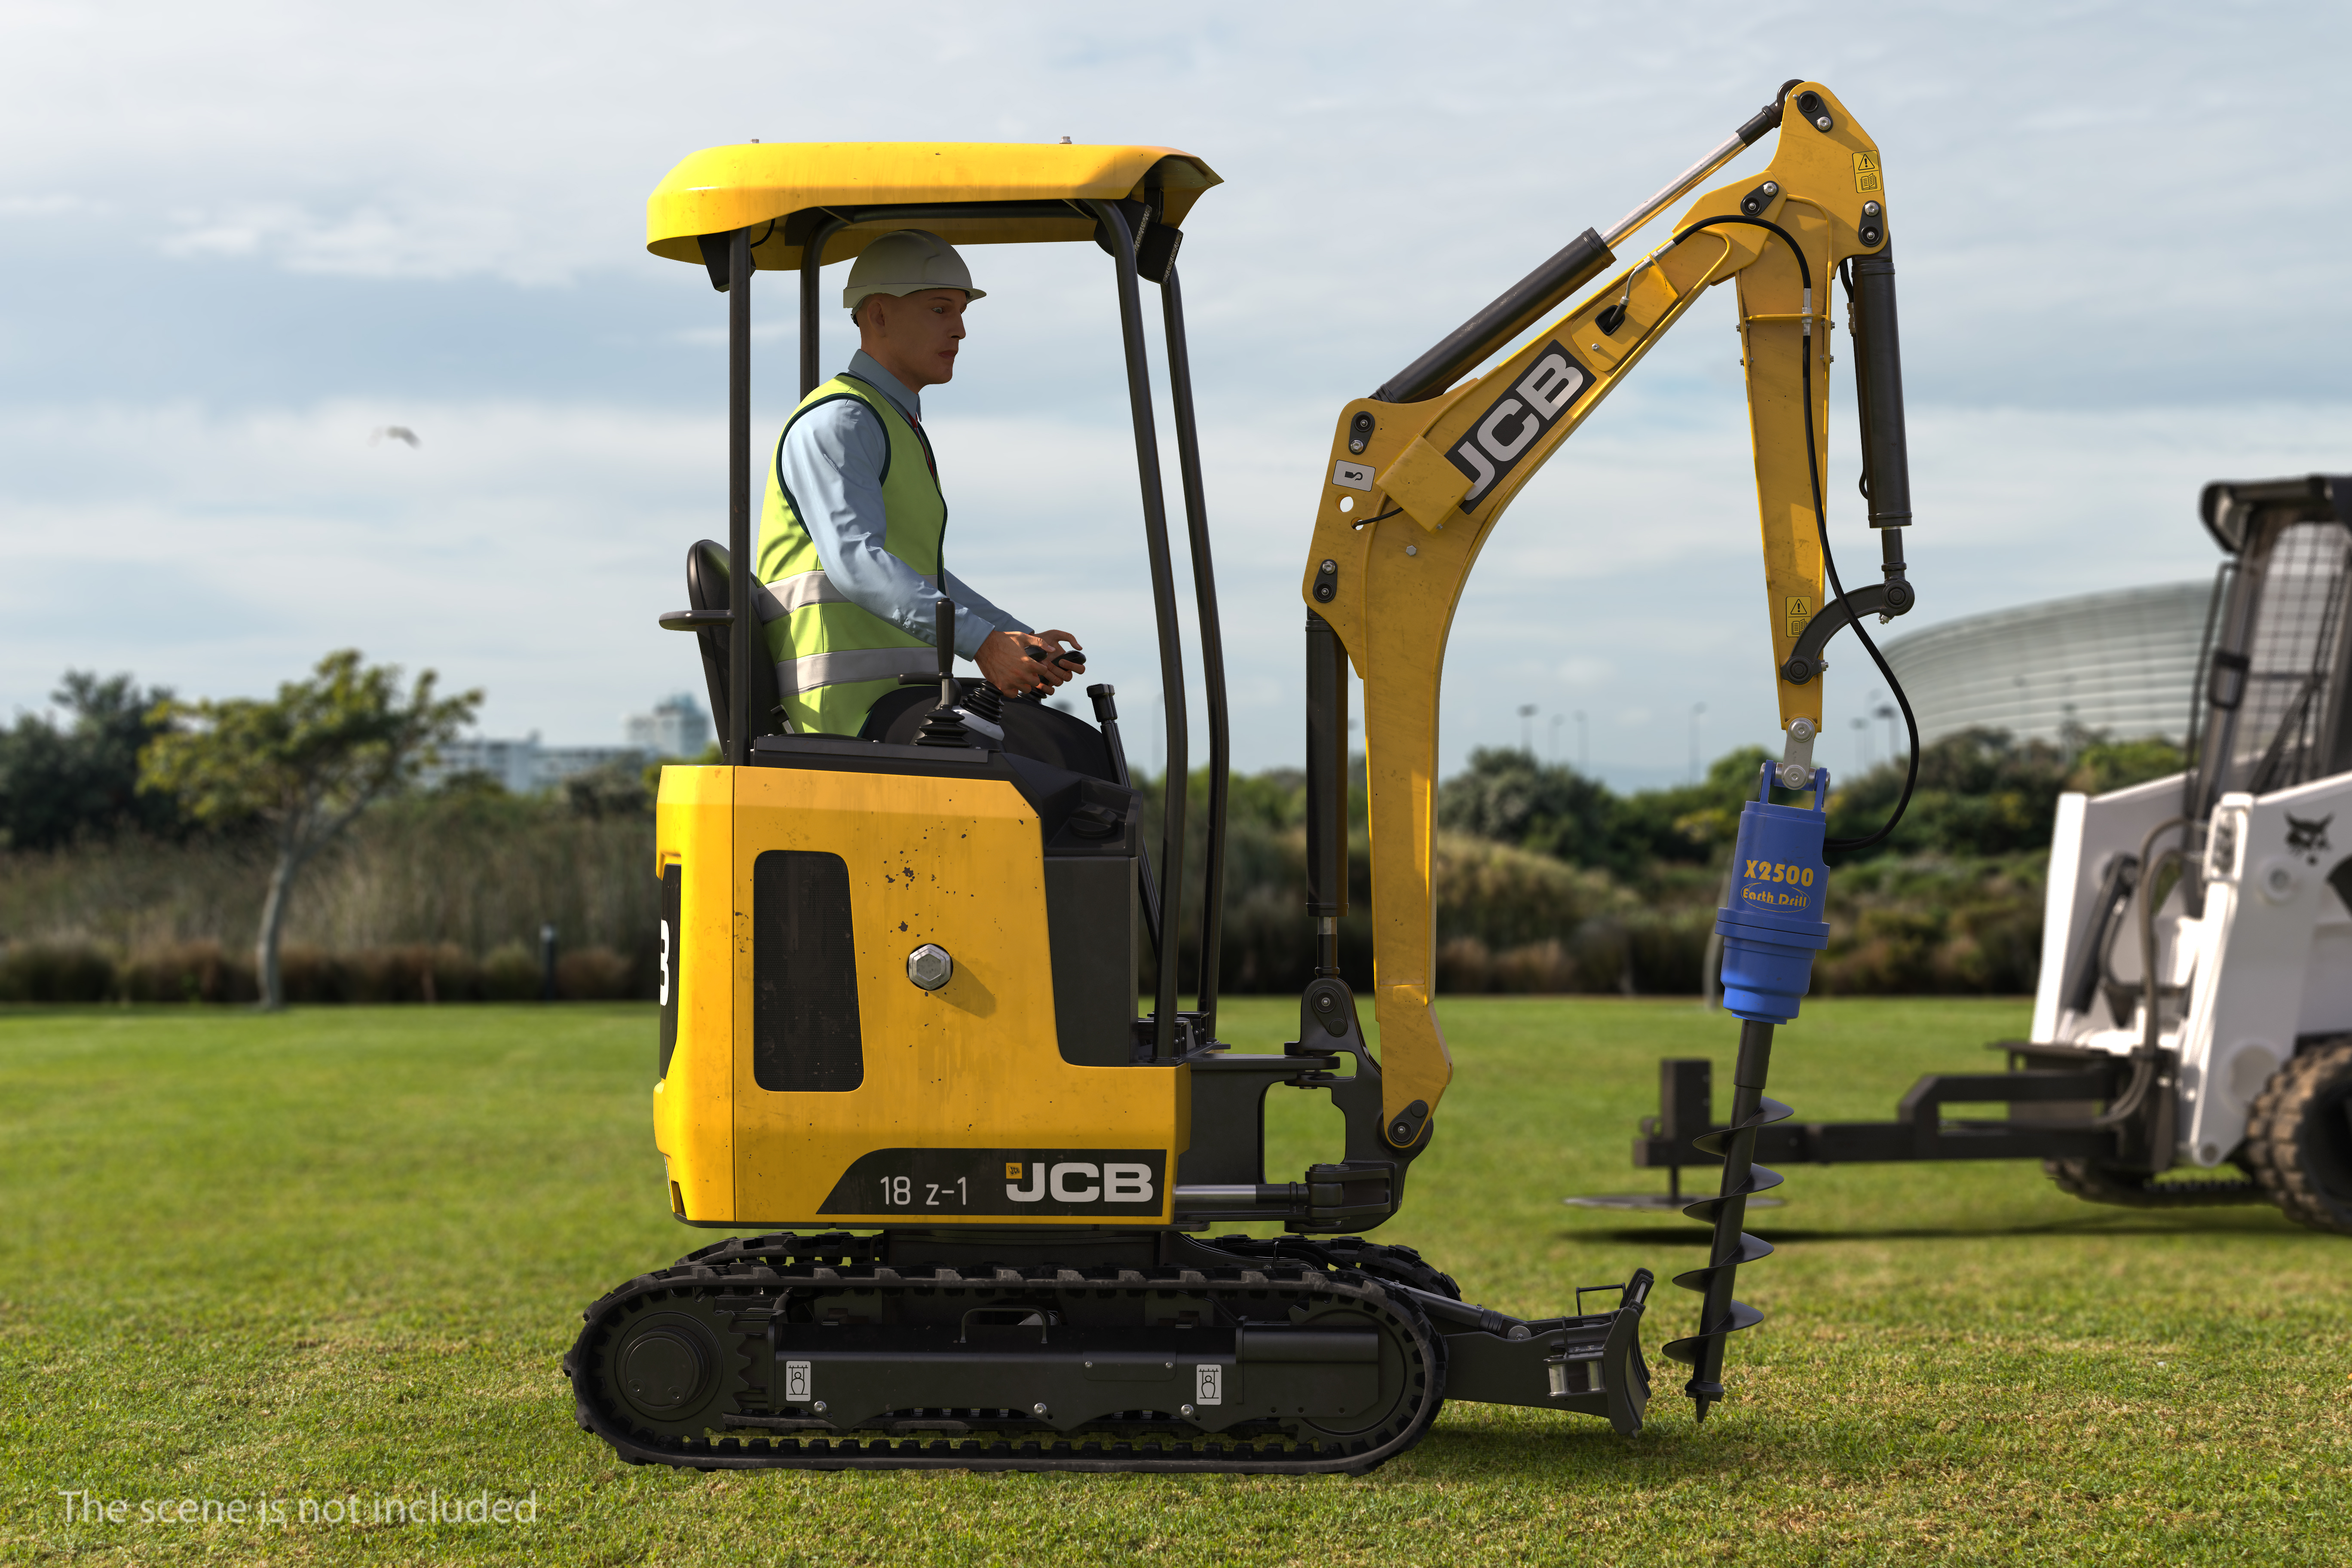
pixel 673 882
pixel 1090 934
pixel 804 1033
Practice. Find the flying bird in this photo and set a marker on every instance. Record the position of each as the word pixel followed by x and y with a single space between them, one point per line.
pixel 396 433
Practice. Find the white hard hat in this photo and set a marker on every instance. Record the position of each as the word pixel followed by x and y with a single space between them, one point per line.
pixel 908 262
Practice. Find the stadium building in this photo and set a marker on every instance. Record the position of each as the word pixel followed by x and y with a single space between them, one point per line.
pixel 2118 663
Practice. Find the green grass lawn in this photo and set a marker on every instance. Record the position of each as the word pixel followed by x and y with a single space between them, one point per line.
pixel 340 1251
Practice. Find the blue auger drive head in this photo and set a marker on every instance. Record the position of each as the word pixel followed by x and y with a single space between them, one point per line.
pixel 1774 924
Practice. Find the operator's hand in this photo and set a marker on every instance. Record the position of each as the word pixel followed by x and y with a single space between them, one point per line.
pixel 1006 662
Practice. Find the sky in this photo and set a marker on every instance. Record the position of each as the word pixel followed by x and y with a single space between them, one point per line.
pixel 240 239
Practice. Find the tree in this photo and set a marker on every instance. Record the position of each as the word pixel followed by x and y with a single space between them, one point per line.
pixel 1510 796
pixel 302 767
pixel 57 787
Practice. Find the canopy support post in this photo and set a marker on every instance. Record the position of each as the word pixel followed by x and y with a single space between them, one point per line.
pixel 1164 594
pixel 1212 644
pixel 812 263
pixel 743 629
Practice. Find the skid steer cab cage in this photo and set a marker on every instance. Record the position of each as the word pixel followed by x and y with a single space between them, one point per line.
pixel 795 206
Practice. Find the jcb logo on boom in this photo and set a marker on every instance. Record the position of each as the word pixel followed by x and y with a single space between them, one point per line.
pixel 1509 430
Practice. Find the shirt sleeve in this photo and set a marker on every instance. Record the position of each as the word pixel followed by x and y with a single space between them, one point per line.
pixel 831 465
pixel 969 598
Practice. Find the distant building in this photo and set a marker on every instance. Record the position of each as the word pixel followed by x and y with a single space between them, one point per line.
pixel 679 726
pixel 2121 663
pixel 514 763
pixel 525 766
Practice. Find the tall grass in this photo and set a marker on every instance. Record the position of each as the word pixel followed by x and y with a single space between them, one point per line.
pixel 477 873
pixel 442 897
pixel 427 898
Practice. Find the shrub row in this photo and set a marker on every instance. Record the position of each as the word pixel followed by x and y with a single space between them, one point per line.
pixel 68 970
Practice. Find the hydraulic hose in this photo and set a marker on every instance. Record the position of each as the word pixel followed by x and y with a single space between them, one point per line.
pixel 1821 525
pixel 2127 1104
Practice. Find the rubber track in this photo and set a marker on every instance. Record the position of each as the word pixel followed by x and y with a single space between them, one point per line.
pixel 830 1263
pixel 1402 1264
pixel 2096 1184
pixel 2275 1130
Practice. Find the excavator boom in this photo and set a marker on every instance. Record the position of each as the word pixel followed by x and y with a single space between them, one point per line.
pixel 1421 473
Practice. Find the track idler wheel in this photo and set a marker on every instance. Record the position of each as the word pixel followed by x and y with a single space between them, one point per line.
pixel 2299 1138
pixel 672 1367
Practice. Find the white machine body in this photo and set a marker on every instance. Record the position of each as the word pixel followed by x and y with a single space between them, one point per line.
pixel 2253 939
pixel 2265 964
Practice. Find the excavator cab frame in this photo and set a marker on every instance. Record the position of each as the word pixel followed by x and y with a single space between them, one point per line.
pixel 795 207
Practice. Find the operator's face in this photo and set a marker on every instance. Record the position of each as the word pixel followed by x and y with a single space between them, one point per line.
pixel 917 334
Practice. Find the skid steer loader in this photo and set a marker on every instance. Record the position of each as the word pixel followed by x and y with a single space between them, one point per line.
pixel 2192 1030
pixel 1006 1173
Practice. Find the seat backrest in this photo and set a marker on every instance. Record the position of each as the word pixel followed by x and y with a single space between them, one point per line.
pixel 707 570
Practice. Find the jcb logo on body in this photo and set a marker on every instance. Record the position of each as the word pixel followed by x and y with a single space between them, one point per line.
pixel 1510 428
pixel 953 1183
pixel 1078 1182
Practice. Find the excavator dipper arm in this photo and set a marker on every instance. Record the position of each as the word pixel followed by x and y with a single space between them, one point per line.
pixel 1413 489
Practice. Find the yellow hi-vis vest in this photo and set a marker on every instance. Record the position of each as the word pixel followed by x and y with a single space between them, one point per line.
pixel 835 658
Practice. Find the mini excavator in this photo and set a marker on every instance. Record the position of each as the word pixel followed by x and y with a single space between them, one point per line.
pixel 983 1183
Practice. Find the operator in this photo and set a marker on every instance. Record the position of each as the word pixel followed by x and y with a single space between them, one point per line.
pixel 850 536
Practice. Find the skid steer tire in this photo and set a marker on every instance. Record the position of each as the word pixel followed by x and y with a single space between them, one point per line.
pixel 2299 1138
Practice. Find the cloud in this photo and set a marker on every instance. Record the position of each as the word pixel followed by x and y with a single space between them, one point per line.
pixel 518 142
pixel 366 242
pixel 318 222
pixel 528 547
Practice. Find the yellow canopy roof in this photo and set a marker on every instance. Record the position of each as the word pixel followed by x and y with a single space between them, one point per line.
pixel 722 189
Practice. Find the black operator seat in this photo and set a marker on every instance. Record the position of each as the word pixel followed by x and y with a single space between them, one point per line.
pixel 706 595
pixel 1030 729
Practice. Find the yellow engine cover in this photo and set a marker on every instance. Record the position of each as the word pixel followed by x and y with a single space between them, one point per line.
pixel 812 1081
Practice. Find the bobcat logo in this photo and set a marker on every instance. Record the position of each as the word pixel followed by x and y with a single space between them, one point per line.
pixel 2308 836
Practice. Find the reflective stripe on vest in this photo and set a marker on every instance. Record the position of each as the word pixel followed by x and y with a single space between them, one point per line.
pixel 834 657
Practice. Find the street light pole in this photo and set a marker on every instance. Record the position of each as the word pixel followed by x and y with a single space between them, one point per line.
pixel 1554 748
pixel 1583 752
pixel 1526 728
